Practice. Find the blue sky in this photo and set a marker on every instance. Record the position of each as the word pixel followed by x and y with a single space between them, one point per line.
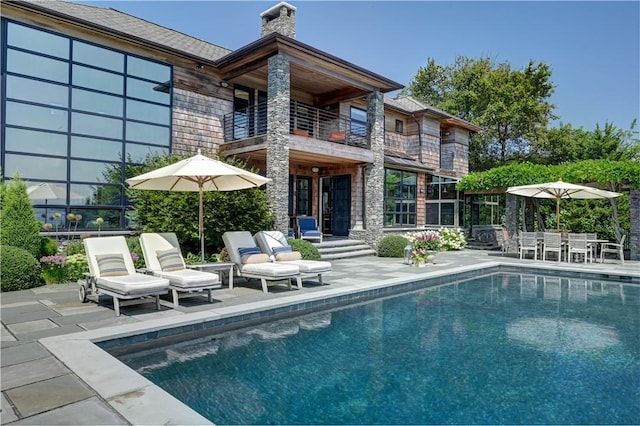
pixel 593 48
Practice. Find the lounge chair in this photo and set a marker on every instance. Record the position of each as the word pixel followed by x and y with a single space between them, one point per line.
pixel 111 272
pixel 276 246
pixel 163 258
pixel 308 229
pixel 252 263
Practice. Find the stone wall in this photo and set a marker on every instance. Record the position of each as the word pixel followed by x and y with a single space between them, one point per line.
pixel 278 98
pixel 279 19
pixel 374 177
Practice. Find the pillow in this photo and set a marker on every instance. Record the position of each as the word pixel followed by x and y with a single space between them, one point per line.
pixel 111 265
pixel 249 250
pixel 290 255
pixel 170 260
pixel 255 258
pixel 283 249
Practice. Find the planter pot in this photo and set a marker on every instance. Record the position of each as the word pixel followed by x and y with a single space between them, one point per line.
pixel 429 259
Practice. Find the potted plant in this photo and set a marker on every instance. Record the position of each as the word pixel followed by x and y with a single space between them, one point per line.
pixel 424 246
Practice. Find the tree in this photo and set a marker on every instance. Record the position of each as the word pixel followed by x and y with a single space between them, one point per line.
pixel 510 105
pixel 19 226
pixel 565 144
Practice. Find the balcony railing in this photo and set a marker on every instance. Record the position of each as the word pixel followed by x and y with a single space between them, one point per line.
pixel 304 121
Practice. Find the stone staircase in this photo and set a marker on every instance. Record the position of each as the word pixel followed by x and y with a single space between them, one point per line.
pixel 343 249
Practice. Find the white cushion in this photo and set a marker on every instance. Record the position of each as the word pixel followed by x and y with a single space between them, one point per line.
pixel 271 270
pixel 134 284
pixel 189 278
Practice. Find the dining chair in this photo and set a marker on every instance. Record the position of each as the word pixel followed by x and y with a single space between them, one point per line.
pixel 577 246
pixel 528 242
pixel 592 243
pixel 552 242
pixel 616 248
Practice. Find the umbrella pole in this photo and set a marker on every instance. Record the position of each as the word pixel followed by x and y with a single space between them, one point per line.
pixel 201 226
pixel 558 214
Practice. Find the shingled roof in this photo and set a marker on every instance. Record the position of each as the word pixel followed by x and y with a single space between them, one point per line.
pixel 129 26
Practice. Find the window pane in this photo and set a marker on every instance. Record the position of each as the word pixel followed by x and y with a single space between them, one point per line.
pixel 96 148
pixel 431 213
pixel 90 171
pixel 138 153
pixel 47 192
pixel 148 91
pixel 96 102
pixel 448 191
pixel 37 66
pixel 37 91
pixel 98 56
pixel 447 216
pixel 35 116
pixel 38 41
pixel 147 69
pixel 35 142
pixel 96 195
pixel 148 112
pixel 96 126
pixel 36 168
pixel 110 218
pixel 147 133
pixel 99 80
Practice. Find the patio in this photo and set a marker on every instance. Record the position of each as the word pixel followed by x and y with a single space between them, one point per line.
pixel 38 388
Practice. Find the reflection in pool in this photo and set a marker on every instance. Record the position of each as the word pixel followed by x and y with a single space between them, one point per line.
pixel 498 349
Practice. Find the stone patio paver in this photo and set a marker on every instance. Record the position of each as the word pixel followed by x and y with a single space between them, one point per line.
pixel 22 353
pixel 31 371
pixel 48 394
pixel 90 411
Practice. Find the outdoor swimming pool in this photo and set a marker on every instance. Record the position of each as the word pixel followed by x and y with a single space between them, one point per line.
pixel 498 349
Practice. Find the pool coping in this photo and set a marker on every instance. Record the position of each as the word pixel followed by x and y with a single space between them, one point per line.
pixel 140 401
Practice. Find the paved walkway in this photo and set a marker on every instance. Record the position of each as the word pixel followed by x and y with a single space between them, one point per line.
pixel 38 388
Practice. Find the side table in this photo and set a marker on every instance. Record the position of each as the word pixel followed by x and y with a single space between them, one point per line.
pixel 220 267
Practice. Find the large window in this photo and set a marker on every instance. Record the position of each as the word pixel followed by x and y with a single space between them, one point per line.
pixel 400 189
pixel 443 203
pixel 75 114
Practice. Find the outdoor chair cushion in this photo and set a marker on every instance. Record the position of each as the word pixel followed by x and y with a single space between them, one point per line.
pixel 111 265
pixel 269 269
pixel 190 279
pixel 255 258
pixel 170 260
pixel 249 250
pixel 283 249
pixel 134 284
pixel 288 256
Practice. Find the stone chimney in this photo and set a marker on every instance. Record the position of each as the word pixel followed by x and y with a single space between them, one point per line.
pixel 280 19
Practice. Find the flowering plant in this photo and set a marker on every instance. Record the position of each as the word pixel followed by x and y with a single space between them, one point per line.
pixel 54 268
pixel 452 239
pixel 423 244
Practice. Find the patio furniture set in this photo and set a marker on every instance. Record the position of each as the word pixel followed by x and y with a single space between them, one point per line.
pixel 583 247
pixel 265 256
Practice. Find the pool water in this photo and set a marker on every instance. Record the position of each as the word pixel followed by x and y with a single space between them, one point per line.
pixel 499 349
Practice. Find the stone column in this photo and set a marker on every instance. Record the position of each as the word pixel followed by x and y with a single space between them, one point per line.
pixel 634 234
pixel 511 213
pixel 374 182
pixel 278 100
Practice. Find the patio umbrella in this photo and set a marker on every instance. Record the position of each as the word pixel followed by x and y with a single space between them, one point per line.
pixel 198 174
pixel 559 190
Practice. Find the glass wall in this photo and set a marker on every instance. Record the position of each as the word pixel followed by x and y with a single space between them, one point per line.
pixel 444 205
pixel 400 189
pixel 75 115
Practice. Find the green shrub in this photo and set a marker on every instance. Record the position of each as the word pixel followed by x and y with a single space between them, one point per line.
pixel 76 266
pixel 392 246
pixel 19 270
pixel 136 252
pixel 48 246
pixel 75 247
pixel 19 226
pixel 306 249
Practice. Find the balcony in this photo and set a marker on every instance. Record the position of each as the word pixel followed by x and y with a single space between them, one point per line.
pixel 304 121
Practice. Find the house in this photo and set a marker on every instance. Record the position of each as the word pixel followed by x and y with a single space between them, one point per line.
pixel 89 90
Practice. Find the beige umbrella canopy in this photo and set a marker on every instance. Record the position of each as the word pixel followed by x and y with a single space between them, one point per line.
pixel 559 190
pixel 198 174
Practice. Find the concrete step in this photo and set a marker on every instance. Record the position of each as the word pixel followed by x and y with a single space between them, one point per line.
pixel 342 249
